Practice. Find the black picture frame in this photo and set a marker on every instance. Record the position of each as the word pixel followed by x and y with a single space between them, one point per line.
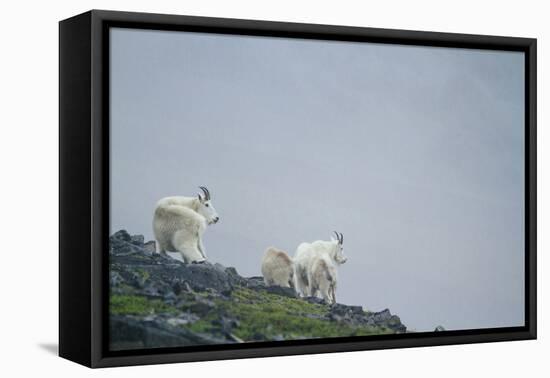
pixel 84 187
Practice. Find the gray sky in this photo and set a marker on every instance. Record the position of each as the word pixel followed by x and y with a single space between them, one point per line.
pixel 414 153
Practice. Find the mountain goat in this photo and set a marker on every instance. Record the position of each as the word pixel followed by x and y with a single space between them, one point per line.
pixel 315 264
pixel 179 222
pixel 323 279
pixel 277 268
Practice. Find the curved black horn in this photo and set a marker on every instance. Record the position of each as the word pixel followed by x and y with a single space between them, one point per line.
pixel 206 192
pixel 337 236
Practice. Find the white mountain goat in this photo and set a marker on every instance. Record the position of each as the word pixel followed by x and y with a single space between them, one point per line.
pixel 277 268
pixel 315 267
pixel 324 278
pixel 179 222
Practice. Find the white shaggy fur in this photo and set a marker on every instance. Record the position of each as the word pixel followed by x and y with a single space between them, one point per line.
pixel 323 279
pixel 277 268
pixel 179 223
pixel 315 268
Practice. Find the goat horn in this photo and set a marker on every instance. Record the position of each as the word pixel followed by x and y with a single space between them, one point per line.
pixel 337 236
pixel 341 238
pixel 205 191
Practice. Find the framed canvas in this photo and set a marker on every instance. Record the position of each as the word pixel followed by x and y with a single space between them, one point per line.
pixel 235 188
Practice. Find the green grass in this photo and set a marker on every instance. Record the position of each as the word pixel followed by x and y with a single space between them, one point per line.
pixel 138 305
pixel 205 325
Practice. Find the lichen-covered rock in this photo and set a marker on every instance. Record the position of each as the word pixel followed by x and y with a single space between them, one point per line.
pixel 343 310
pixel 137 240
pixel 150 247
pixel 157 274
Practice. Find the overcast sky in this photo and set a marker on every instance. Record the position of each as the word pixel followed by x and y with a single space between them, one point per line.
pixel 415 154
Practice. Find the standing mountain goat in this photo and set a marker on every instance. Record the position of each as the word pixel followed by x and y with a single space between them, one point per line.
pixel 316 264
pixel 277 268
pixel 323 280
pixel 179 222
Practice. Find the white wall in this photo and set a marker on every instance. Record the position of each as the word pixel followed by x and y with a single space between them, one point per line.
pixel 28 166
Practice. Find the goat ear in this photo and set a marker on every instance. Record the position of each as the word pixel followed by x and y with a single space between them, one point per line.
pixel 200 197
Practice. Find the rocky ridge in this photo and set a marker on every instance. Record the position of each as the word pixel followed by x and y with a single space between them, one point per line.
pixel 157 301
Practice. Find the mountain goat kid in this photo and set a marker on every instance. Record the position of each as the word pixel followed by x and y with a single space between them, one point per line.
pixel 315 264
pixel 277 268
pixel 179 222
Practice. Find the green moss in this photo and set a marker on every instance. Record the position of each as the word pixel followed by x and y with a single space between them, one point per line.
pixel 205 325
pixel 137 305
pixel 123 288
pixel 143 274
pixel 269 315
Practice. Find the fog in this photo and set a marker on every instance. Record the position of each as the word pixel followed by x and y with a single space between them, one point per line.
pixel 414 153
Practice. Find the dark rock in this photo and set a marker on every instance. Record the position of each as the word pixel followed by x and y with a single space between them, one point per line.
pixel 137 240
pixel 353 315
pixel 395 324
pixel 121 244
pixel 227 324
pixel 128 332
pixel 381 316
pixel 356 316
pixel 386 319
pixel 255 283
pixel 259 337
pixel 283 291
pixel 314 300
pixel 202 307
pixel 439 328
pixel 315 316
pixel 150 247
pixel 130 260
pixel 139 277
pixel 115 279
pixel 226 292
pixel 176 287
pixel 122 235
pixel 231 271
pixel 170 297
pixel 344 310
pixel 256 279
pixel 220 267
